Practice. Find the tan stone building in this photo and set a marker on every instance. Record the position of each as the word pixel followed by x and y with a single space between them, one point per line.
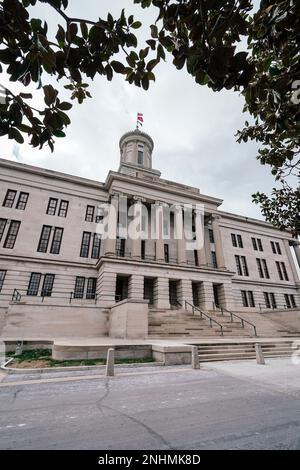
pixel 58 277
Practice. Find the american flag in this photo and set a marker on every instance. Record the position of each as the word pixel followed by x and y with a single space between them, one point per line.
pixel 139 119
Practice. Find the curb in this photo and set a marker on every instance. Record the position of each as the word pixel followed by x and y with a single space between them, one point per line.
pixel 11 370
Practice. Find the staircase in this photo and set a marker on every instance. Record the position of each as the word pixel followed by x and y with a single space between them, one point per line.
pixel 178 323
pixel 232 326
pixel 240 350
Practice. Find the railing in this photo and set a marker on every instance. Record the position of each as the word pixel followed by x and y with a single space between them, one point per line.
pixel 242 320
pixel 278 306
pixel 76 296
pixel 18 295
pixel 211 320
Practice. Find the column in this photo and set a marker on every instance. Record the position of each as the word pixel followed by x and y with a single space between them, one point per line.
pixel 201 253
pixel 111 236
pixel 179 235
pixel 291 260
pixel 185 291
pixel 106 288
pixel 297 252
pixel 136 287
pixel 206 295
pixel 218 242
pixel 159 243
pixel 161 292
pixel 136 242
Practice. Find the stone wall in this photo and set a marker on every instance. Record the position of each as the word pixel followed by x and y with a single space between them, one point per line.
pixel 51 321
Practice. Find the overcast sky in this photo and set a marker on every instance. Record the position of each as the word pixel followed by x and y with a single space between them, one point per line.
pixel 193 128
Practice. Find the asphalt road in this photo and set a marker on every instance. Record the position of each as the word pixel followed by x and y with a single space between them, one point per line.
pixel 224 406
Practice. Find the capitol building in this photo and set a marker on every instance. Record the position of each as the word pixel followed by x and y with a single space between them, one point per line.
pixel 70 268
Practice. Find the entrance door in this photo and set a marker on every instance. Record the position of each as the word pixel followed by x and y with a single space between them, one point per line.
pixel 195 289
pixel 173 293
pixel 148 290
pixel 121 288
pixel 216 288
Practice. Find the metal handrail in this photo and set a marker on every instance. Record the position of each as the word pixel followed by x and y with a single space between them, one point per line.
pixel 16 296
pixel 243 321
pixel 211 320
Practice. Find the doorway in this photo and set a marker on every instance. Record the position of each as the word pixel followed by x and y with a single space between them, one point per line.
pixel 121 288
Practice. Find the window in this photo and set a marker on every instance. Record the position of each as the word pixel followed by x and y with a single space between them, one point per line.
pixel 120 247
pixel 285 274
pixel 22 201
pixel 267 300
pixel 262 268
pixel 238 265
pixel 211 235
pixel 63 208
pixel 2 227
pixel 270 300
pixel 91 288
pixel 247 298
pixel 9 198
pixel 79 287
pixel 140 157
pixel 2 278
pixel 48 285
pixel 240 241
pixel 282 272
pixel 85 245
pixel 279 270
pixel 34 284
pixel 98 218
pixel 12 234
pixel 166 252
pixel 44 239
pixel 244 266
pixel 292 300
pixel 241 265
pixel 52 205
pixel 287 301
pixel 257 244
pixel 56 241
pixel 214 259
pixel 259 265
pixel 89 215
pixel 237 240
pixel 276 248
pixel 96 246
pixel 251 299
pixel 273 300
pixel 254 244
pixel 265 268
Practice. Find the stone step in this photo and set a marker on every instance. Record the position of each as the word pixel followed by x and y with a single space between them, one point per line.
pixel 243 351
pixel 237 356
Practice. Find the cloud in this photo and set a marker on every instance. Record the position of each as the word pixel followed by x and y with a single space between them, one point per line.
pixel 192 128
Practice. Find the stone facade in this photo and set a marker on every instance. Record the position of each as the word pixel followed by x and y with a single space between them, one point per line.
pixel 58 278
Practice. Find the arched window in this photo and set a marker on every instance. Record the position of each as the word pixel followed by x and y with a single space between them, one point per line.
pixel 140 156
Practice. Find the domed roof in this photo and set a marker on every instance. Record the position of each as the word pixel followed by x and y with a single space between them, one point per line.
pixel 137 133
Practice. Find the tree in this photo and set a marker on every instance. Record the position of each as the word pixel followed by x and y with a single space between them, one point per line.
pixel 201 35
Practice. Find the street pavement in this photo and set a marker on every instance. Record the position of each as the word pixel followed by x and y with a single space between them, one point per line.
pixel 225 405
